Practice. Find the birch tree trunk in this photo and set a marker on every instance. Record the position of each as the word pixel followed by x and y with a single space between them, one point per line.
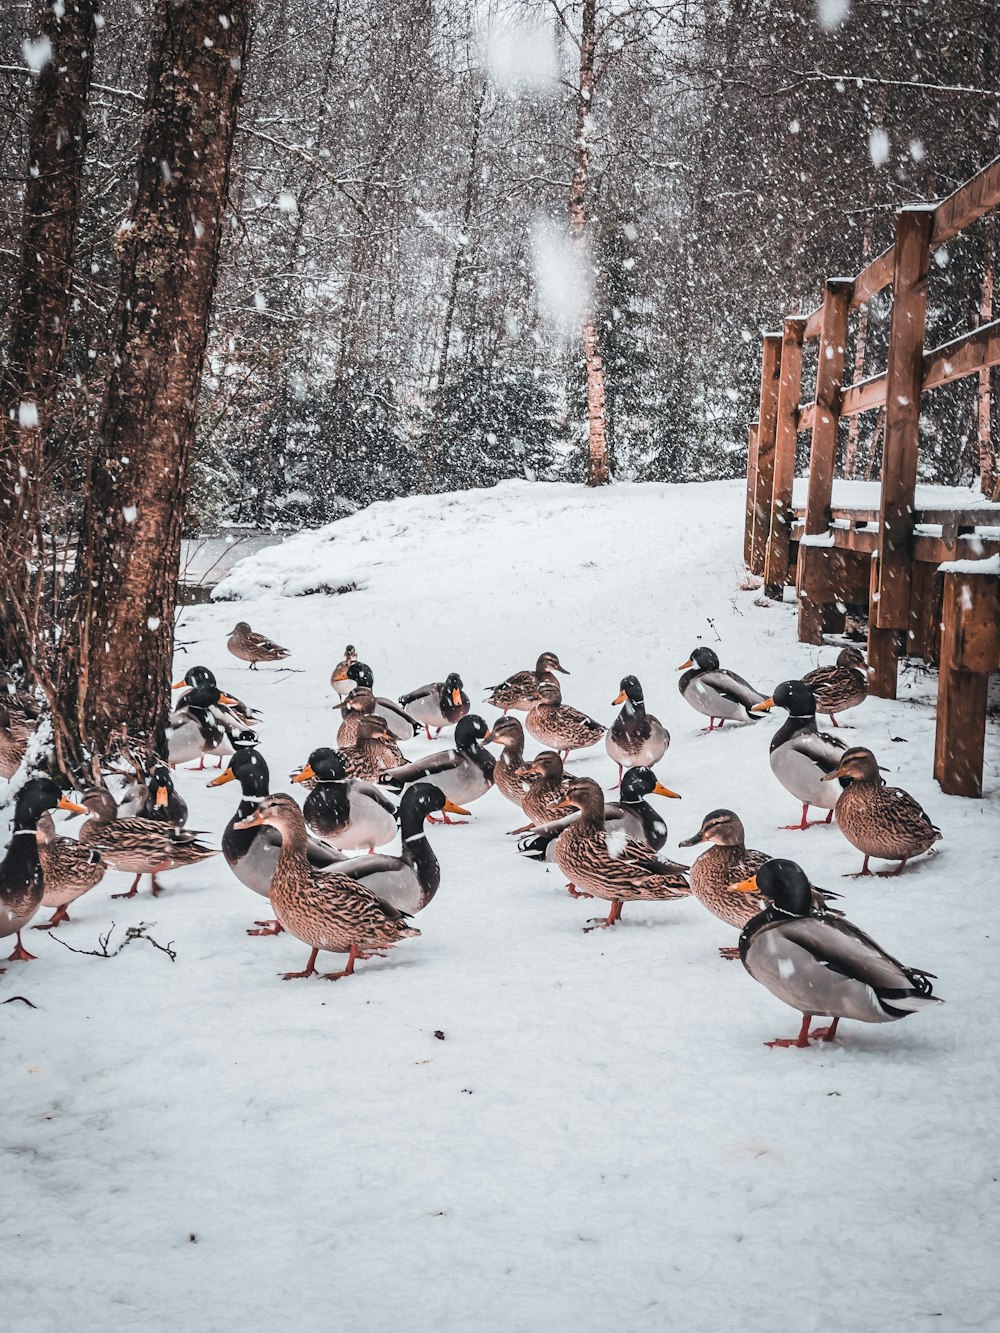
pixel 130 554
pixel 597 455
pixel 40 319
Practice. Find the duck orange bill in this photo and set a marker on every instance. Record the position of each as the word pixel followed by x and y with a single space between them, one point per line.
pixel 620 698
pixel 66 804
pixel 660 790
pixel 341 675
pixel 746 885
pixel 684 665
pixel 837 773
pixel 162 797
pixel 228 700
pixel 564 805
pixel 763 706
pixel 488 737
pixel 452 809
pixel 222 779
pixel 304 774
pixel 255 819
pixel 456 697
pixel 178 685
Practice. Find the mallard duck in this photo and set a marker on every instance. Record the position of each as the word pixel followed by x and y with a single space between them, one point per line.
pixel 837 688
pixel 21 874
pixel 631 813
pixel 610 866
pixel 373 752
pixel 68 870
pixel 137 846
pixel 325 910
pixel 714 692
pixel 339 678
pixel 408 881
pixel 518 690
pixel 18 719
pixel 821 964
pixel 802 757
pixel 509 734
pixel 463 774
pixel 885 822
pixel 346 812
pixel 236 710
pixel 252 854
pixel 727 861
pixel 636 738
pixel 557 725
pixel 440 704
pixel 362 699
pixel 249 646
pixel 545 788
pixel 196 729
pixel 162 802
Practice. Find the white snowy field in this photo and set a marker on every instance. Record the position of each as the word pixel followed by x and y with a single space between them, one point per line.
pixel 602 1141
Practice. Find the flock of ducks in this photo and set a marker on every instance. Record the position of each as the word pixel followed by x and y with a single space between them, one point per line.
pixel 365 792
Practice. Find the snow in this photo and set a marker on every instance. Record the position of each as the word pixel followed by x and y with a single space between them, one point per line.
pixel 601 1141
pixel 866 495
pixel 988 566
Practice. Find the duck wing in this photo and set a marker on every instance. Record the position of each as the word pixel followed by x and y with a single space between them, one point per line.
pixel 822 749
pixel 373 793
pixel 421 692
pixel 400 721
pixel 441 762
pixel 733 687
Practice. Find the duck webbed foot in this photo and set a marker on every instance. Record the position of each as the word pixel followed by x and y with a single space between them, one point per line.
pixel 600 923
pixel 891 874
pixel 20 954
pixel 801 1040
pixel 825 1034
pixel 132 891
pixel 267 928
pixel 730 952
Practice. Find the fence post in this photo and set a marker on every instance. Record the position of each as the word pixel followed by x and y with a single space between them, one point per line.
pixel 785 439
pixel 889 612
pixel 970 650
pixel 770 369
pixel 751 494
pixel 816 566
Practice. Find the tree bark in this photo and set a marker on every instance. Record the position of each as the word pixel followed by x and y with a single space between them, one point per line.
pixel 597 454
pixel 988 479
pixel 40 318
pixel 130 555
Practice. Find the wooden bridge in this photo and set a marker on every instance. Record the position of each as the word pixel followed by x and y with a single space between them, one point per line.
pixel 883 545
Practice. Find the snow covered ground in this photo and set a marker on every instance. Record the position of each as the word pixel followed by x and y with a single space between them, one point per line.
pixel 601 1141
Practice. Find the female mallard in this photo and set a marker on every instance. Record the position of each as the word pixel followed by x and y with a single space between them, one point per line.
pixel 631 814
pixel 137 846
pixel 802 758
pixel 21 874
pixel 408 881
pixel 620 870
pixel 559 727
pixel 252 854
pixel 18 719
pixel 249 646
pixel 68 870
pixel 374 750
pixel 398 720
pixel 196 728
pixel 463 774
pixel 325 910
pixel 546 786
pixel 339 678
pixel 440 704
pixel 714 692
pixel 518 690
pixel 508 733
pixel 344 811
pixel 837 688
pixel 820 964
pixel 236 710
pixel 162 802
pixel 727 861
pixel 636 738
pixel 880 821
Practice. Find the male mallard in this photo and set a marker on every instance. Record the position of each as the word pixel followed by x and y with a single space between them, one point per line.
pixel 463 774
pixel 68 870
pixel 837 688
pixel 509 734
pixel 727 861
pixel 374 750
pixel 802 758
pixel 880 821
pixel 346 812
pixel 235 710
pixel 339 678
pixel 557 725
pixel 252 854
pixel 821 964
pixel 518 690
pixel 21 873
pixel 197 728
pixel 715 692
pixel 162 802
pixel 137 846
pixel 325 910
pixel 249 646
pixel 636 738
pixel 440 704
pixel 631 815
pixel 398 720
pixel 616 868
pixel 408 881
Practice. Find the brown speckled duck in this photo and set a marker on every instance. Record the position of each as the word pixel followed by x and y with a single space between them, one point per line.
pixel 18 718
pixel 325 910
pixel 339 678
pixel 250 646
pixel 840 687
pixel 69 870
pixel 518 691
pixel 603 865
pixel 636 739
pixel 885 822
pixel 362 700
pixel 373 751
pixel 727 862
pixel 546 788
pixel 508 733
pixel 137 846
pixel 558 726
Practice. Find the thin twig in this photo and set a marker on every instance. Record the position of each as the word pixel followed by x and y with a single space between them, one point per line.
pixel 131 933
